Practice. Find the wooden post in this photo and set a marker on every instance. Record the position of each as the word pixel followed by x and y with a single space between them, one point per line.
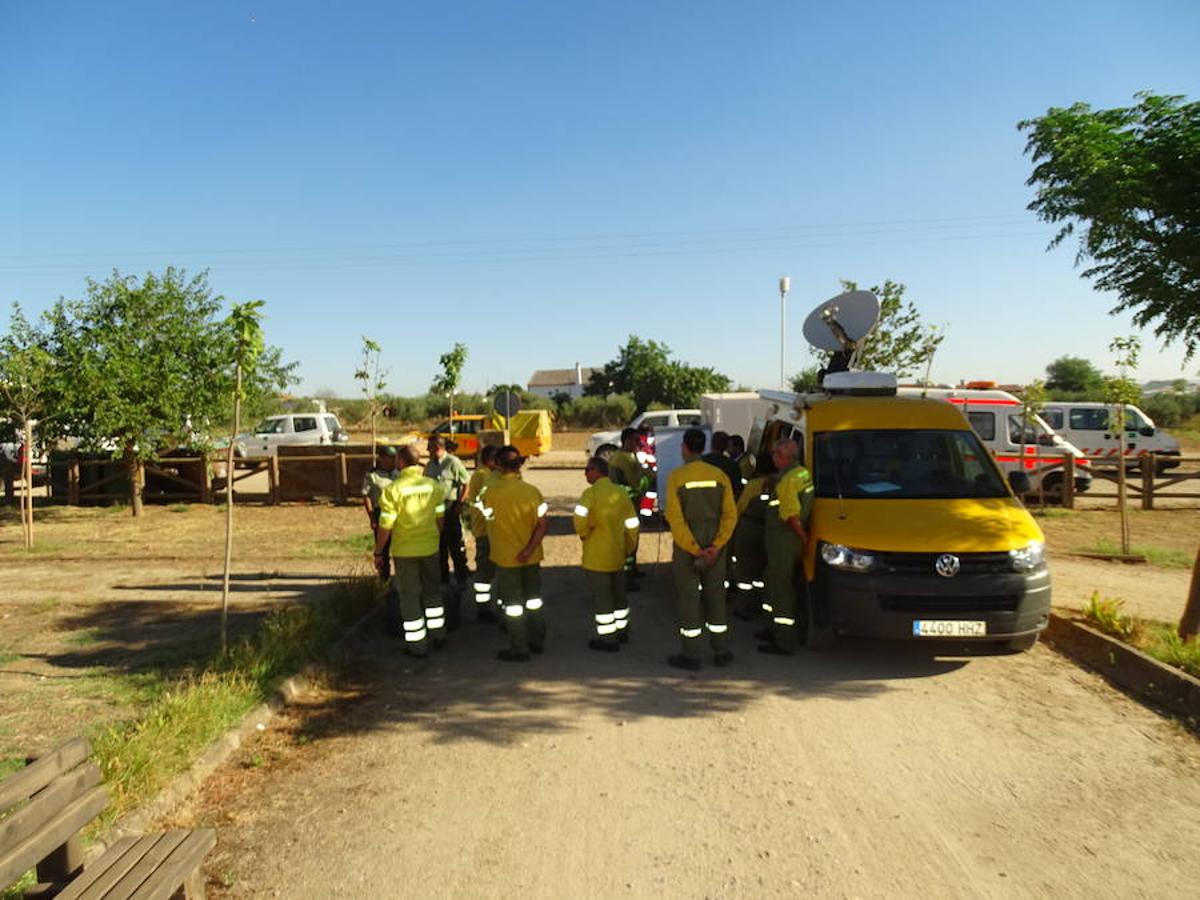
pixel 205 479
pixel 73 482
pixel 273 479
pixel 1068 482
pixel 1189 623
pixel 1149 467
pixel 340 462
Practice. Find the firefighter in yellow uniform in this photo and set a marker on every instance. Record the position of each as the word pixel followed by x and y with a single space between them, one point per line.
pixel 786 534
pixel 749 541
pixel 626 472
pixel 481 479
pixel 411 509
pixel 702 515
pixel 516 517
pixel 608 526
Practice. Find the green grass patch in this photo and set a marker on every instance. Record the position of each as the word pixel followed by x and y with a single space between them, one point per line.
pixel 7 656
pixel 179 507
pixel 85 637
pixel 1163 557
pixel 1156 639
pixel 1051 512
pixel 182 715
pixel 10 764
pixel 351 545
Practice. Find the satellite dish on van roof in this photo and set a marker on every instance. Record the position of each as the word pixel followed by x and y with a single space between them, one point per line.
pixel 840 323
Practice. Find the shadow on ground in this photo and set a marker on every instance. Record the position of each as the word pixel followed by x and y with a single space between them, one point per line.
pixel 463 693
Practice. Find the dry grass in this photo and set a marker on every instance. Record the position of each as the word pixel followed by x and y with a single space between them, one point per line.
pixel 1173 531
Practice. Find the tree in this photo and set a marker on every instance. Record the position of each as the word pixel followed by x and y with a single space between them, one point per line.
pixel 140 359
pixel 245 323
pixel 645 370
pixel 900 342
pixel 1129 178
pixel 1074 374
pixel 374 380
pixel 26 370
pixel 1033 400
pixel 806 380
pixel 447 383
pixel 1119 391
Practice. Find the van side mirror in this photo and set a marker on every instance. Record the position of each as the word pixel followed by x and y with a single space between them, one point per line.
pixel 1020 483
pixel 1146 431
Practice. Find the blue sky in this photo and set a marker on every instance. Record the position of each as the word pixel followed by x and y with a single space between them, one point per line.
pixel 541 179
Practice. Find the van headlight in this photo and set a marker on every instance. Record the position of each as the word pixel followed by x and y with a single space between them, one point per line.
pixel 1028 558
pixel 840 556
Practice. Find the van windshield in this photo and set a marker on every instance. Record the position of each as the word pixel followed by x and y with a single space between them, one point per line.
pixel 903 464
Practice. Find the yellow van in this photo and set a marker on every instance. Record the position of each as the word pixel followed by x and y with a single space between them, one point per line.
pixel 915 533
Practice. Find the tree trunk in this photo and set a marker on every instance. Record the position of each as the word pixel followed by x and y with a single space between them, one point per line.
pixel 1189 624
pixel 1122 496
pixel 27 474
pixel 237 415
pixel 134 469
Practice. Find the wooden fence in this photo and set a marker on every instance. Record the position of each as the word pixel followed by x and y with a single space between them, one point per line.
pixel 1143 480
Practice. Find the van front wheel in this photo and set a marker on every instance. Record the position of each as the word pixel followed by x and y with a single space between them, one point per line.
pixel 819 634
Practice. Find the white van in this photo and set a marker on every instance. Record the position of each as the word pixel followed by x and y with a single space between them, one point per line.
pixel 733 412
pixel 996 417
pixel 292 430
pixel 1085 424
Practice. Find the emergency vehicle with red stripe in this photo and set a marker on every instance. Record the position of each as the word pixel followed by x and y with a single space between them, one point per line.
pixel 997 418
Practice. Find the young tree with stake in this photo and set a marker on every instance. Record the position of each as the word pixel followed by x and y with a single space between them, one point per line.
pixel 373 379
pixel 26 369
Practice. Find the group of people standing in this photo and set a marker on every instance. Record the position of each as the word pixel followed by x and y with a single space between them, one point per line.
pixel 730 518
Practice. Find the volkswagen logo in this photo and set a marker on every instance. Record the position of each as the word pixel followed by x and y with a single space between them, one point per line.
pixel 947 565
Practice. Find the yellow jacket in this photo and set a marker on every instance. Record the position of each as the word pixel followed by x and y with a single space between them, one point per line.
pixel 608 525
pixel 512 508
pixel 794 494
pixel 700 507
pixel 481 479
pixel 410 507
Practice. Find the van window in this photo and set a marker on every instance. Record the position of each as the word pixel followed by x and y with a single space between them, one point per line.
pixel 1089 419
pixel 331 425
pixel 1134 420
pixel 904 464
pixel 655 421
pixel 271 426
pixel 1054 418
pixel 304 423
pixel 689 419
pixel 1033 435
pixel 983 424
pixel 467 426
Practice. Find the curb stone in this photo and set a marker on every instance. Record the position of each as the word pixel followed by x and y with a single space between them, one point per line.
pixel 182 786
pixel 1141 676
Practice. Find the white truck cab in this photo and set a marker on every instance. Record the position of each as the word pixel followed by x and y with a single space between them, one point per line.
pixel 292 430
pixel 1086 424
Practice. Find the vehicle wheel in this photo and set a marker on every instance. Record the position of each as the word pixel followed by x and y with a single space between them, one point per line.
pixel 1052 486
pixel 1022 644
pixel 604 451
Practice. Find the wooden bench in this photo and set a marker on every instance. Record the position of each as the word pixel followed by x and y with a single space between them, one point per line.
pixel 43 809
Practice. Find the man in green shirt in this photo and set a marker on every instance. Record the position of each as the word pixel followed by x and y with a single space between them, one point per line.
pixel 373 483
pixel 448 470
pixel 786 534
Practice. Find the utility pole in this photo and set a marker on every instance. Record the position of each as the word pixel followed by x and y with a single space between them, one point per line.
pixel 785 285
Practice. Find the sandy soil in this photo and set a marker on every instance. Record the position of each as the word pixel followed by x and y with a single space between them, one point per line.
pixel 878 769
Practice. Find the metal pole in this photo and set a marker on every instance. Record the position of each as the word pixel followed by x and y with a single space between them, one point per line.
pixel 785 284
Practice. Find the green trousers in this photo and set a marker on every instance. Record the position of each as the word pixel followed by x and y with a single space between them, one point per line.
pixel 610 605
pixel 700 602
pixel 783 558
pixel 519 590
pixel 748 545
pixel 418 584
pixel 485 572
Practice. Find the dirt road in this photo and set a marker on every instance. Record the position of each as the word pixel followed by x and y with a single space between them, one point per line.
pixel 873 770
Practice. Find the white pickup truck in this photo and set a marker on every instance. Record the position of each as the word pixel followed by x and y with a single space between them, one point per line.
pixel 292 430
pixel 604 442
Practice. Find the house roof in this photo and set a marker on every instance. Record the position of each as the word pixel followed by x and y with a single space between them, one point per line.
pixel 558 377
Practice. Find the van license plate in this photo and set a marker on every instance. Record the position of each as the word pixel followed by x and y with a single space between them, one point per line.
pixel 948 628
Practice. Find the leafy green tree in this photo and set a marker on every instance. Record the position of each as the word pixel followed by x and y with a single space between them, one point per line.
pixel 374 380
pixel 1074 374
pixel 1129 178
pixel 140 359
pixel 644 369
pixel 26 372
pixel 805 381
pixel 447 383
pixel 245 324
pixel 900 342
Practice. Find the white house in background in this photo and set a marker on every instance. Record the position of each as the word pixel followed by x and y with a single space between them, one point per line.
pixel 549 382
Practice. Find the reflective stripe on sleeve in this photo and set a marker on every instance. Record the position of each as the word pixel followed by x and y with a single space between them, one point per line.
pixel 764 496
pixel 653 495
pixel 688 485
pixel 440 509
pixel 542 509
pixel 631 522
pixel 768 608
pixel 773 503
pixel 387 519
pixel 745 586
pixel 581 510
pixel 758 584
